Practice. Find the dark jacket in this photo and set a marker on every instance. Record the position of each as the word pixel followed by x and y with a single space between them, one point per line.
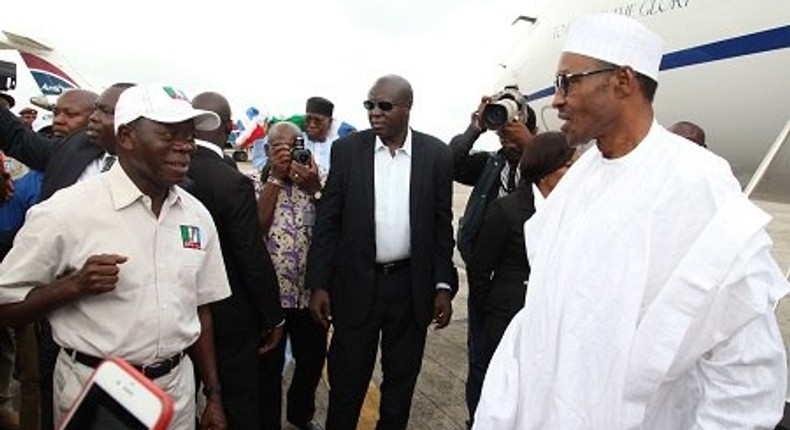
pixel 62 160
pixel 500 269
pixel 342 256
pixel 229 196
pixel 481 170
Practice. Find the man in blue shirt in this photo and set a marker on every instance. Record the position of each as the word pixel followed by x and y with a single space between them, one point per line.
pixel 17 199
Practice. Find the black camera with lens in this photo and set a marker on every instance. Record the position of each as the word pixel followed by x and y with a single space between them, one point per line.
pixel 7 75
pixel 299 153
pixel 506 106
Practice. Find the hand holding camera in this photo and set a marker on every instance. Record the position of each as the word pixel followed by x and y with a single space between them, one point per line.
pixel 515 132
pixel 280 159
pixel 507 113
pixel 300 154
pixel 508 105
pixel 306 176
pixel 477 116
pixel 295 163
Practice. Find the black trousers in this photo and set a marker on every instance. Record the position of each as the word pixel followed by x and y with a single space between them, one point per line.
pixel 308 347
pixel 352 356
pixel 476 360
pixel 494 328
pixel 47 356
pixel 238 366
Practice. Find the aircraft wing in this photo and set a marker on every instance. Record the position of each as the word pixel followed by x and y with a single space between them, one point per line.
pixel 49 69
pixel 9 40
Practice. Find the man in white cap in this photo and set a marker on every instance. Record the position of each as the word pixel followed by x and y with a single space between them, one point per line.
pixel 652 290
pixel 131 276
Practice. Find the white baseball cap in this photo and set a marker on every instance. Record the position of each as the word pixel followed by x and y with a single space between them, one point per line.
pixel 161 103
pixel 616 39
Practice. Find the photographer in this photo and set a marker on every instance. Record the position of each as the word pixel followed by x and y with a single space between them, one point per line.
pixel 284 172
pixel 493 175
pixel 286 208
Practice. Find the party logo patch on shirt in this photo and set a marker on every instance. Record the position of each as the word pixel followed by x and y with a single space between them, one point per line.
pixel 190 237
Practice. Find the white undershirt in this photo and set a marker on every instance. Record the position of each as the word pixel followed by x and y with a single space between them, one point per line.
pixel 537 197
pixel 392 182
pixel 210 146
pixel 93 168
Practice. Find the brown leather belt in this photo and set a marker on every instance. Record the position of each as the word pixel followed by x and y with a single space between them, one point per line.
pixel 151 371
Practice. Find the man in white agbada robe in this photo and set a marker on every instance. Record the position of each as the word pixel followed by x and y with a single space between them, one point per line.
pixel 652 291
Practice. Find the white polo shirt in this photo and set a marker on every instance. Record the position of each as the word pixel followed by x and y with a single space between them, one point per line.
pixel 174 265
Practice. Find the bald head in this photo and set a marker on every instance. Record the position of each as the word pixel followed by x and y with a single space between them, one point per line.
pixel 690 131
pixel 283 130
pixel 389 103
pixel 399 86
pixel 217 103
pixel 72 111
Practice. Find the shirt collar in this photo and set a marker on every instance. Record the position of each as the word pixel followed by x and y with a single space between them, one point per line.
pixel 309 141
pixel 124 192
pixel 537 197
pixel 406 148
pixel 210 146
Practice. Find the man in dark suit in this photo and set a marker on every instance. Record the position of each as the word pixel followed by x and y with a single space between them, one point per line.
pixel 65 161
pixel 493 175
pixel 248 323
pixel 72 111
pixel 380 264
pixel 498 274
pixel 500 269
pixel 69 159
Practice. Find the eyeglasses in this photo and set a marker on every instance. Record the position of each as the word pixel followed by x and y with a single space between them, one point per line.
pixel 563 80
pixel 384 106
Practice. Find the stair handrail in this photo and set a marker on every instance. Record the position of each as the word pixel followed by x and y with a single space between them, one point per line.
pixel 768 159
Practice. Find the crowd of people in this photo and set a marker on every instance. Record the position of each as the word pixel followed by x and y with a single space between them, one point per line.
pixel 597 298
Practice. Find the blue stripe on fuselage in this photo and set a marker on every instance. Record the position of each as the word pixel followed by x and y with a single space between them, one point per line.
pixel 754 43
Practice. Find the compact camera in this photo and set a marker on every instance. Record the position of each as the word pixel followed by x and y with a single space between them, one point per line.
pixel 506 106
pixel 7 75
pixel 299 153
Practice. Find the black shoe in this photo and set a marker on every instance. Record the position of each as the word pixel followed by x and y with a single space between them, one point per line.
pixel 310 425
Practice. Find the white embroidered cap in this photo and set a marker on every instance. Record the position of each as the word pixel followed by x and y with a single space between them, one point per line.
pixel 616 39
pixel 161 103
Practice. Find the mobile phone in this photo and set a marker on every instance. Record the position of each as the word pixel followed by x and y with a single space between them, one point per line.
pixel 119 397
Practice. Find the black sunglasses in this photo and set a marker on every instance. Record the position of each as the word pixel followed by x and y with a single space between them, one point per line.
pixel 563 80
pixel 384 106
